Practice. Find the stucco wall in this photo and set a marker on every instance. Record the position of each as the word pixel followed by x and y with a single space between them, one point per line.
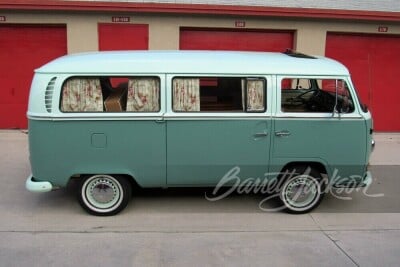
pixel 164 29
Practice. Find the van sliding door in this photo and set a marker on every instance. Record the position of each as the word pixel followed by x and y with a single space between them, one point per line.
pixel 213 133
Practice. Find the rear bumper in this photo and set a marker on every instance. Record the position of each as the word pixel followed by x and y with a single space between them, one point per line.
pixel 366 181
pixel 37 186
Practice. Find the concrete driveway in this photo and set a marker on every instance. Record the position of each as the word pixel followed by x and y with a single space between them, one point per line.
pixel 181 228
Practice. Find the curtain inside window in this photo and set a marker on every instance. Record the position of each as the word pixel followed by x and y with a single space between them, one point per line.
pixel 255 95
pixel 82 95
pixel 143 95
pixel 186 94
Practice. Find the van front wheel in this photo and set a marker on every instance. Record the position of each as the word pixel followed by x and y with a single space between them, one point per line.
pixel 104 195
pixel 302 190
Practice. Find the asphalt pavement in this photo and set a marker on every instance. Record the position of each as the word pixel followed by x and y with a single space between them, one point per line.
pixel 179 227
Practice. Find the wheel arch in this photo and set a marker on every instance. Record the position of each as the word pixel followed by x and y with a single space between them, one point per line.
pixel 130 178
pixel 317 165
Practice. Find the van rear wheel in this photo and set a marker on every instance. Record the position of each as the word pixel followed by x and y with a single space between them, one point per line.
pixel 303 189
pixel 104 195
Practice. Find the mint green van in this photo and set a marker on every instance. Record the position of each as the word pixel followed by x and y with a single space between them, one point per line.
pixel 113 120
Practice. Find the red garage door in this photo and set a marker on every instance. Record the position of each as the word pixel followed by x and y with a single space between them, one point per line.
pixel 238 40
pixel 374 63
pixel 117 36
pixel 23 48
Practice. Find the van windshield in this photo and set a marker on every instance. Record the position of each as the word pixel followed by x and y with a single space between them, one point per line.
pixel 363 106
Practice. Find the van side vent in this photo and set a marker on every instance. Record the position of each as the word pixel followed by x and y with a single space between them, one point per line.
pixel 48 95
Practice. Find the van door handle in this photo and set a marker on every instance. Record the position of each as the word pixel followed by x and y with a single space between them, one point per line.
pixel 160 121
pixel 282 133
pixel 258 135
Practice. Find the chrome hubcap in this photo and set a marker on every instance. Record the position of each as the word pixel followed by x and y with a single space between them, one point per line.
pixel 102 193
pixel 302 192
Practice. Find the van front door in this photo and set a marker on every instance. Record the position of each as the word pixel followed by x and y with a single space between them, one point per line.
pixel 205 145
pixel 307 129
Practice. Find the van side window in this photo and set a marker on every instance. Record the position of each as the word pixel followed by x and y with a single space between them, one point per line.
pixel 82 95
pixel 111 94
pixel 315 95
pixel 218 94
pixel 143 95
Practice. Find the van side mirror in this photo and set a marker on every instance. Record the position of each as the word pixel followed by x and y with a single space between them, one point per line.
pixel 336 111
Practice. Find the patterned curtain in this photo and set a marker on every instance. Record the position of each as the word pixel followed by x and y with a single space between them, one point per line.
pixel 82 95
pixel 143 95
pixel 186 94
pixel 255 95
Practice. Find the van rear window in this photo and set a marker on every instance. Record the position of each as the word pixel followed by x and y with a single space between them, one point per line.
pixel 111 94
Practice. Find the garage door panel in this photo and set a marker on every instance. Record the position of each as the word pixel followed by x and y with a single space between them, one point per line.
pixel 374 63
pixel 235 40
pixel 117 36
pixel 23 49
pixel 385 91
pixel 361 81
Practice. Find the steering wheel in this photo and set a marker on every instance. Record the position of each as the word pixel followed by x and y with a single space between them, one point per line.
pixel 300 96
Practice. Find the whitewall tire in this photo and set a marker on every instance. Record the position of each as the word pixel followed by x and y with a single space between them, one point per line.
pixel 104 195
pixel 302 191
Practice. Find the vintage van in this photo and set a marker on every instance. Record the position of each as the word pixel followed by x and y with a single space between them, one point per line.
pixel 190 119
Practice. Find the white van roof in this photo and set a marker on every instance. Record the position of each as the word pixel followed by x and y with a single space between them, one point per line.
pixel 192 62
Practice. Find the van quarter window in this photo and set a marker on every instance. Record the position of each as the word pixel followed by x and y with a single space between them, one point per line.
pixel 219 94
pixel 111 94
pixel 315 95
